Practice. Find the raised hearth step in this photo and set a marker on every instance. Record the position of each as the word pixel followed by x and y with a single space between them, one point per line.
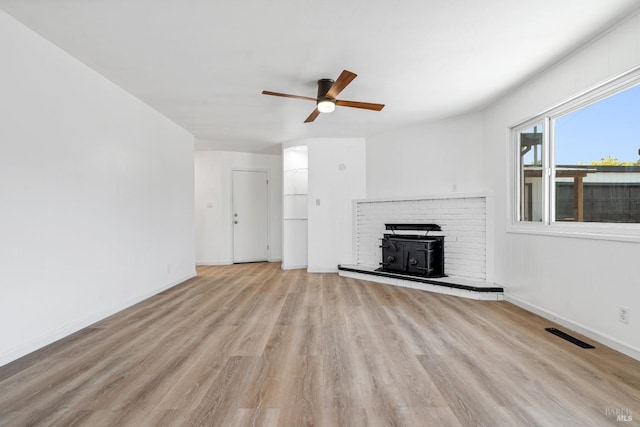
pixel 445 285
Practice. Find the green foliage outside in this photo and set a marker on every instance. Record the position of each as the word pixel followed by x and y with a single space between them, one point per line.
pixel 612 161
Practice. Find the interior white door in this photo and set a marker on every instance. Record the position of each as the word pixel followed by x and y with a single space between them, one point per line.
pixel 250 216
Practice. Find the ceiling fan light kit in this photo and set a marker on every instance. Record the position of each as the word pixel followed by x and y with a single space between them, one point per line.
pixel 326 106
pixel 328 90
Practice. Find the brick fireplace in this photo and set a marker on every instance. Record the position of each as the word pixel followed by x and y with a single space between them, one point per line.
pixel 463 220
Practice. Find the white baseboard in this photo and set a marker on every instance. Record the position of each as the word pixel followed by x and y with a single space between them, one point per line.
pixel 322 270
pixel 292 267
pixel 207 263
pixel 577 327
pixel 15 353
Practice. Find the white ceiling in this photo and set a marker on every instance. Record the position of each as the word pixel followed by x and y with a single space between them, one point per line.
pixel 204 63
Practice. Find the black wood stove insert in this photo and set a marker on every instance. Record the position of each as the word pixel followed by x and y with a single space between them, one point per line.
pixel 414 254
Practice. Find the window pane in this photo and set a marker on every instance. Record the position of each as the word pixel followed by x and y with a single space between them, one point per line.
pixel 531 178
pixel 597 163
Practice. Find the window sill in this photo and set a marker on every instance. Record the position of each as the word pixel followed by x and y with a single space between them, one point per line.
pixel 618 232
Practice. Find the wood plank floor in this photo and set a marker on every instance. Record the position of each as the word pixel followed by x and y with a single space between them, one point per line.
pixel 251 345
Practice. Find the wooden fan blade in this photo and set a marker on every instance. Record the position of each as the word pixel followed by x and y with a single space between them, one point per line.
pixel 285 95
pixel 363 105
pixel 344 79
pixel 312 116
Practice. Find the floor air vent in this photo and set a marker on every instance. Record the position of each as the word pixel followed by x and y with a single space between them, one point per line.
pixel 569 338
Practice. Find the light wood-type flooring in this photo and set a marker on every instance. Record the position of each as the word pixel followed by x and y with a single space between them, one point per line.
pixel 251 345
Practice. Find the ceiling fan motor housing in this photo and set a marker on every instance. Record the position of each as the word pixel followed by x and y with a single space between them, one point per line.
pixel 323 87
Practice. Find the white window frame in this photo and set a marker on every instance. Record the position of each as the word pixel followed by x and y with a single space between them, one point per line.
pixel 548 225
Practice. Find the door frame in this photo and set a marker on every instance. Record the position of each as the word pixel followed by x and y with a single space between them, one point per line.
pixel 232 240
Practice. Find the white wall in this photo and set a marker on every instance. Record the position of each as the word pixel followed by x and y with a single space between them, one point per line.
pixel 213 203
pixel 435 158
pixel 337 174
pixel 580 282
pixel 96 195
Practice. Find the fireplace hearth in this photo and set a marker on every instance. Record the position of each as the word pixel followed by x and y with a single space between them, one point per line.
pixel 413 254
